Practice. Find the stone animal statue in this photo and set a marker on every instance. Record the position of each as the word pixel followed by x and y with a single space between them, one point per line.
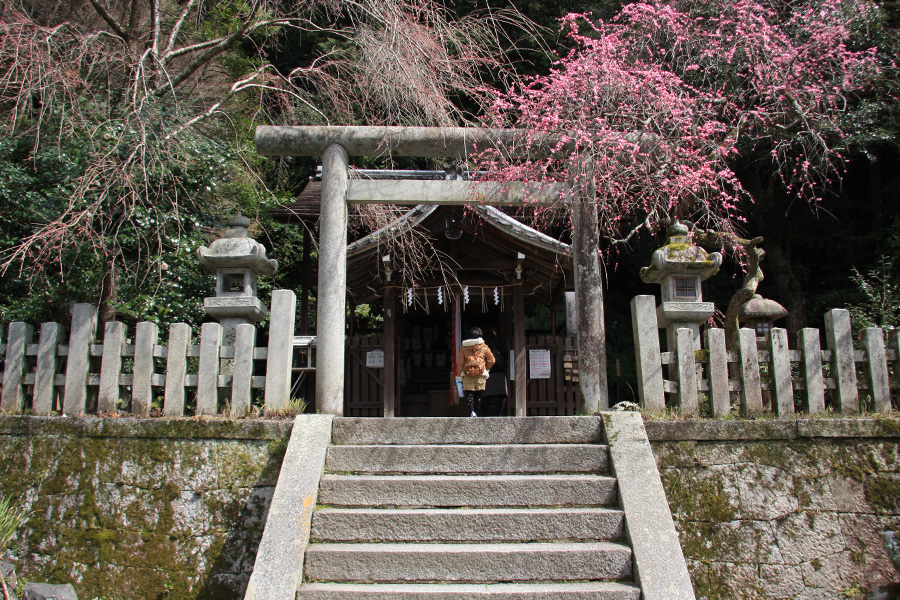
pixel 892 546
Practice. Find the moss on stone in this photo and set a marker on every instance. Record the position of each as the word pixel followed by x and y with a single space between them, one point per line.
pixel 674 250
pixel 703 498
pixel 713 585
pixel 883 491
pixel 890 425
pixel 117 514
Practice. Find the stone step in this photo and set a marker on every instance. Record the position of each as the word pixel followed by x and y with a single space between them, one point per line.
pixel 473 525
pixel 505 458
pixel 467 491
pixel 453 430
pixel 594 590
pixel 469 563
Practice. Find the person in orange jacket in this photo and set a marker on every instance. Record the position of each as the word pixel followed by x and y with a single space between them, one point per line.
pixel 475 362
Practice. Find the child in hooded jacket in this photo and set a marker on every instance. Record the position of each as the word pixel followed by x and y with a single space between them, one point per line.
pixel 474 348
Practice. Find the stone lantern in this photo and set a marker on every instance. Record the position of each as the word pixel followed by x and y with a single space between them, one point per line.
pixel 760 314
pixel 679 267
pixel 237 261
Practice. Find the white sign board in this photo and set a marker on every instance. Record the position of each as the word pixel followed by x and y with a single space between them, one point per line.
pixel 539 364
pixel 375 359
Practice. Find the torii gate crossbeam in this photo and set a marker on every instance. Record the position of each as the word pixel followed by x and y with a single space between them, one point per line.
pixel 336 144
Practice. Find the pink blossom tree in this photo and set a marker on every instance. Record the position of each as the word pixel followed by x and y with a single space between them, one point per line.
pixel 658 113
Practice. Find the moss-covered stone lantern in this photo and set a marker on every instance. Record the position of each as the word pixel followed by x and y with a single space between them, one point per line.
pixel 760 314
pixel 237 260
pixel 679 267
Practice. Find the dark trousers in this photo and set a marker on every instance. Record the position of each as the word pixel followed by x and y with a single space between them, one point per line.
pixel 473 397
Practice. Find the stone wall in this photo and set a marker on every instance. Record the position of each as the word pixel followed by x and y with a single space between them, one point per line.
pixel 782 509
pixel 174 509
pixel 140 508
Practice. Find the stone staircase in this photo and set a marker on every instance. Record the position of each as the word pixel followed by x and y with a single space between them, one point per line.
pixel 451 508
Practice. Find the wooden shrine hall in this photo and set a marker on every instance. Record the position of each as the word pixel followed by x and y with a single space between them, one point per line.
pixel 476 266
pixel 340 188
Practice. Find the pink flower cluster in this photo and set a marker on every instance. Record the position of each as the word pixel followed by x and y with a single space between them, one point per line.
pixel 668 98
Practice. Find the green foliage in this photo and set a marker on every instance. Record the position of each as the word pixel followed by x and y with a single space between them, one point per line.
pixel 11 518
pixel 294 407
pixel 880 289
pixel 152 249
pixel 367 319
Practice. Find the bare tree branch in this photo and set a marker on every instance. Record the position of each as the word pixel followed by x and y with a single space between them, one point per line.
pixel 214 51
pixel 176 29
pixel 154 29
pixel 110 20
pixel 138 110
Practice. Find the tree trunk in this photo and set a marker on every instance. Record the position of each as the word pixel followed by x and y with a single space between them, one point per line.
pixel 784 280
pixel 109 290
pixel 754 275
pixel 752 278
pixel 589 292
pixel 786 283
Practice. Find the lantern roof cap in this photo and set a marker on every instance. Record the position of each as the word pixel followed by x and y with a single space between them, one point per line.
pixel 236 250
pixel 758 307
pixel 680 256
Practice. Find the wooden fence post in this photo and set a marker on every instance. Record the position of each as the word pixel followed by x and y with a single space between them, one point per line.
pixel 894 344
pixel 843 362
pixel 520 366
pixel 876 357
pixel 242 379
pixel 814 382
pixel 111 367
pixel 146 337
pixel 646 346
pixel 281 354
pixel 751 392
pixel 389 373
pixel 13 399
pixel 720 397
pixel 176 369
pixel 84 327
pixel 783 404
pixel 45 376
pixel 687 371
pixel 208 374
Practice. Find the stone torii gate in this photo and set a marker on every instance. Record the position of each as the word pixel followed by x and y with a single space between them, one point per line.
pixel 336 144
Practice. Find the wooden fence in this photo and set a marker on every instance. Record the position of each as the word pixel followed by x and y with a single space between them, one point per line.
pixel 120 375
pixel 362 385
pixel 559 394
pixel 807 378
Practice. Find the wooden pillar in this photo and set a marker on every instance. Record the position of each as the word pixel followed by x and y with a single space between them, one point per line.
pixel 304 284
pixel 519 347
pixel 553 319
pixel 389 334
pixel 589 293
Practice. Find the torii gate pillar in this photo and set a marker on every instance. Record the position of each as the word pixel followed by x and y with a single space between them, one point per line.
pixel 331 301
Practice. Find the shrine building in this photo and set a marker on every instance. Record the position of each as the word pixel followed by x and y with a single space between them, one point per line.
pixel 478 267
